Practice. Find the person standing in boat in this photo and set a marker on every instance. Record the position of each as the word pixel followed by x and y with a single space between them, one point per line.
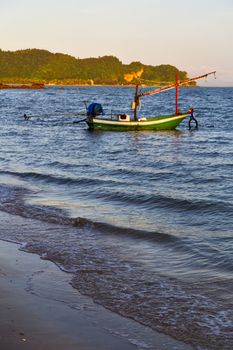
pixel 192 118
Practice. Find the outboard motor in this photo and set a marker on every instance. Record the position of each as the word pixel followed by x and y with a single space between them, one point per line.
pixel 94 109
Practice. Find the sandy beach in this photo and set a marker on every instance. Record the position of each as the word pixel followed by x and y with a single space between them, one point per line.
pixel 40 311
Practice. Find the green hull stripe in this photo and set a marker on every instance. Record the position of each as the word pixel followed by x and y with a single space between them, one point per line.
pixel 158 123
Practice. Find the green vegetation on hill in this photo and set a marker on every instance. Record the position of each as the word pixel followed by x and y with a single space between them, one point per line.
pixel 41 66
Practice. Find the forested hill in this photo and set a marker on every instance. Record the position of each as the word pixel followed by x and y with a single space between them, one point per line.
pixel 33 65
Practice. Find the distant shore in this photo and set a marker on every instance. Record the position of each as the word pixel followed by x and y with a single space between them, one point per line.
pixel 22 86
pixel 43 85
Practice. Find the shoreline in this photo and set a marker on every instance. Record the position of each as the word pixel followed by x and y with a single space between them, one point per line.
pixel 42 85
pixel 40 310
pixel 26 86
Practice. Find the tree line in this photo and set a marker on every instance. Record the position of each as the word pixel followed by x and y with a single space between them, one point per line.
pixel 42 66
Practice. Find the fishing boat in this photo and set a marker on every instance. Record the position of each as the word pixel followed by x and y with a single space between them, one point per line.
pixel 98 120
pixel 122 122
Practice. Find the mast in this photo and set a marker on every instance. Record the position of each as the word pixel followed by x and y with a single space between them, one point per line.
pixel 136 103
pixel 177 94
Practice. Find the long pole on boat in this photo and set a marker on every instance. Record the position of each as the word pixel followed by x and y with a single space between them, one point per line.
pixel 136 102
pixel 177 94
pixel 172 86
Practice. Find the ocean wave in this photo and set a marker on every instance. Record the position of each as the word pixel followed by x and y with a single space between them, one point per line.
pixel 56 179
pixel 13 202
pixel 114 190
pixel 168 202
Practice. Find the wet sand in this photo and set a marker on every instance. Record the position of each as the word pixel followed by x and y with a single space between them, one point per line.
pixel 41 311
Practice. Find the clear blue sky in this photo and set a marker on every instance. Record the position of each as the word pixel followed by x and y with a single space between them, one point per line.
pixel 194 35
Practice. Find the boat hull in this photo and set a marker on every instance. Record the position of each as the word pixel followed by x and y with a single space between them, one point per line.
pixel 169 122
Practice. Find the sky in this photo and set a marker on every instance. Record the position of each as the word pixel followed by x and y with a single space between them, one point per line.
pixel 193 35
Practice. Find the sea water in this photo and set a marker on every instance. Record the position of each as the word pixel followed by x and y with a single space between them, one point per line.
pixel 143 220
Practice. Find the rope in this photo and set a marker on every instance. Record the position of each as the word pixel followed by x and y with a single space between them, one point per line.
pixel 54 115
pixel 79 121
